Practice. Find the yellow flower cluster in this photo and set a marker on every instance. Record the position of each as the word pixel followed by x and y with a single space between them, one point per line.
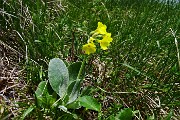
pixel 104 42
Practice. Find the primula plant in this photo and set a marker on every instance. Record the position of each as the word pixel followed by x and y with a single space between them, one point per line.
pixel 62 91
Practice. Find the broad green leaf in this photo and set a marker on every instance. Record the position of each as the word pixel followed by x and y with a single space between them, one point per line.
pixel 27 112
pixel 87 90
pixel 50 100
pixel 89 103
pixel 58 76
pixel 125 114
pixel 74 70
pixel 41 89
pixel 41 93
pixel 73 91
pixel 74 105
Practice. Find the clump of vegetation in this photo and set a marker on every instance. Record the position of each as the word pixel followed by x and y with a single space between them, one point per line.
pixel 136 77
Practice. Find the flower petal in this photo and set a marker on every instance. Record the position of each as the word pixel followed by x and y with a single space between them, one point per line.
pixel 104 44
pixel 89 48
pixel 107 37
pixel 101 29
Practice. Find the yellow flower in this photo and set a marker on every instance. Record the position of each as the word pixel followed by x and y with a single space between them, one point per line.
pixel 100 32
pixel 89 48
pixel 101 29
pixel 107 35
pixel 105 42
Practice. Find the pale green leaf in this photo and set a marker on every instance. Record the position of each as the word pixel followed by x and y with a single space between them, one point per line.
pixel 89 103
pixel 58 76
pixel 74 70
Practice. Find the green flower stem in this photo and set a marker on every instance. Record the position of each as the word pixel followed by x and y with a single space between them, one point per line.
pixel 82 66
pixel 55 104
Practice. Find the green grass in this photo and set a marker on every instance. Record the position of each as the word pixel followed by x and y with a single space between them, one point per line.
pixel 142 58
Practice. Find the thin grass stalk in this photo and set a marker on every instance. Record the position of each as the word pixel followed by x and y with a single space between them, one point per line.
pixel 177 48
